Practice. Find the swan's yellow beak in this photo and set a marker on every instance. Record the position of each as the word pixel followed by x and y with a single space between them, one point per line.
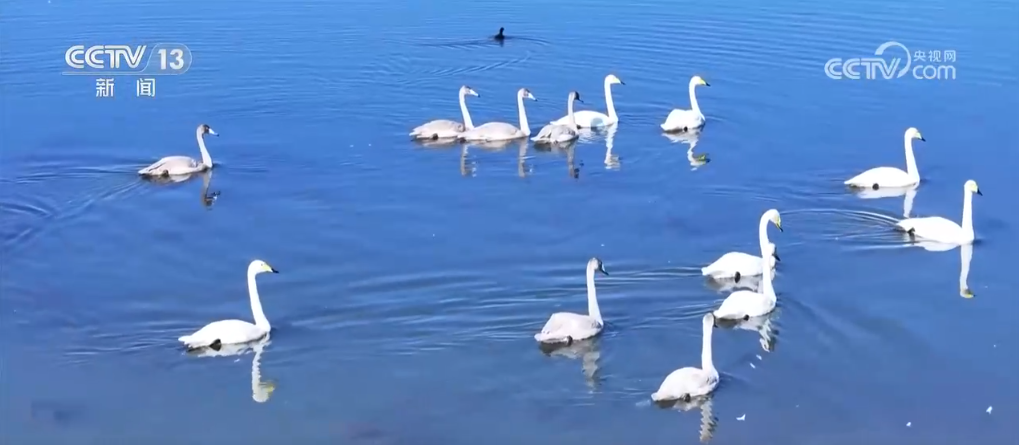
pixel 778 223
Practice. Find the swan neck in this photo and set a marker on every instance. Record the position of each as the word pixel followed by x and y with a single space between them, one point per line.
pixel 608 101
pixel 707 363
pixel 592 298
pixel 523 115
pixel 468 123
pixel 256 303
pixel 569 113
pixel 693 99
pixel 911 170
pixel 967 215
pixel 762 233
pixel 206 159
pixel 767 274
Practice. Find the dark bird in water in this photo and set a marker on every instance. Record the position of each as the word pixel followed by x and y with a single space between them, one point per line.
pixel 500 37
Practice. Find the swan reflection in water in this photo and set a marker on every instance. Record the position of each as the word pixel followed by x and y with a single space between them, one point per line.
pixel 765 326
pixel 469 167
pixel 611 160
pixel 570 149
pixel 208 199
pixel 891 192
pixel 709 423
pixel 690 138
pixel 965 257
pixel 260 391
pixel 587 351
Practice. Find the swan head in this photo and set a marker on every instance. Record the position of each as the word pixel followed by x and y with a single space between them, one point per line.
pixel 611 79
pixel 204 129
pixel 524 92
pixel 259 266
pixel 775 218
pixel 575 96
pixel 465 90
pixel 595 265
pixel 699 81
pixel 708 321
pixel 913 133
pixel 972 187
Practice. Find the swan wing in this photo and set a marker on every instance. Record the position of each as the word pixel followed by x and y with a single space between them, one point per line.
pixel 545 133
pixel 226 331
pixel 744 303
pixel 565 326
pixel 682 119
pixel 730 263
pixel 932 227
pixel 438 129
pixel 883 177
pixel 172 165
pixel 683 382
pixel 586 119
pixel 492 131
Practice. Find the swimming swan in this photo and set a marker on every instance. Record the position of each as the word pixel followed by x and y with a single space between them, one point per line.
pixel 567 327
pixel 684 120
pixel 738 264
pixel 936 228
pixel 183 165
pixel 686 383
pixel 890 176
pixel 501 131
pixel 500 36
pixel 595 119
pixel 445 128
pixel 559 133
pixel 214 335
pixel 744 304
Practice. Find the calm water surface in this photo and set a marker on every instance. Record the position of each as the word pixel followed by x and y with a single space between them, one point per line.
pixel 413 278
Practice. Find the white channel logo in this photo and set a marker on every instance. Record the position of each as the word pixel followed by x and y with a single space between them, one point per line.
pixel 879 67
pixel 162 59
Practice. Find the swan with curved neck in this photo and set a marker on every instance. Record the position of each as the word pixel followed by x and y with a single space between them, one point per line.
pixel 738 264
pixel 744 304
pixel 943 230
pixel 225 332
pixel 501 131
pixel 686 120
pixel 879 177
pixel 596 119
pixel 687 383
pixel 445 128
pixel 556 133
pixel 183 165
pixel 568 327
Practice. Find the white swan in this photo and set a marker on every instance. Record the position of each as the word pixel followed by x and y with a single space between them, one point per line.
pixel 218 333
pixel 595 119
pixel 941 230
pixel 745 304
pixel 445 128
pixel 567 327
pixel 183 165
pixel 559 133
pixel 501 131
pixel 685 120
pixel 686 383
pixel 738 264
pixel 878 177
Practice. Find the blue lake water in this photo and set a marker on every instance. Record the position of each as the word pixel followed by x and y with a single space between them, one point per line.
pixel 413 278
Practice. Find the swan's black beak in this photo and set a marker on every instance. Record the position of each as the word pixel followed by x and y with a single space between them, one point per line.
pixel 622 83
pixel 777 259
pixel 273 270
pixel 707 84
pixel 979 192
pixel 602 270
